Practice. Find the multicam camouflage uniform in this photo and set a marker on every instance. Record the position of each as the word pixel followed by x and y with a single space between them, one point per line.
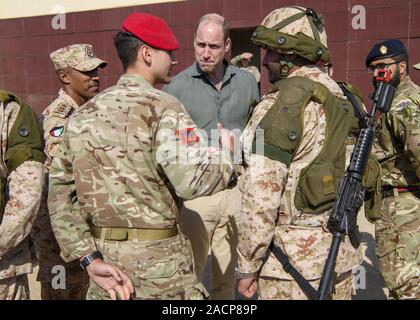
pixel 55 118
pixel 128 151
pixel 397 230
pixel 268 209
pixel 236 61
pixel 21 169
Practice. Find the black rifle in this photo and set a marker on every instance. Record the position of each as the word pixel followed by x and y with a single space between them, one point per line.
pixel 343 217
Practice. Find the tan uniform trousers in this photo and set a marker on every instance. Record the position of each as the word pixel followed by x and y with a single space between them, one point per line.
pixel 276 289
pixel 159 269
pixel 211 225
pixel 48 251
pixel 398 244
pixel 14 288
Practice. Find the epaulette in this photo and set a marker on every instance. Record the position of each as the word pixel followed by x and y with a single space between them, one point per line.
pixel 60 109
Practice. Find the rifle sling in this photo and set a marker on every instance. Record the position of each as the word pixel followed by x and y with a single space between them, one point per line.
pixel 359 112
pixel 306 287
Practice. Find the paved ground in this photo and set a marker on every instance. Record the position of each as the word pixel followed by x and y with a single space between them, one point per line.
pixel 374 282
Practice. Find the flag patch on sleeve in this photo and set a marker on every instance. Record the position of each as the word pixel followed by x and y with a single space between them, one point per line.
pixel 57 131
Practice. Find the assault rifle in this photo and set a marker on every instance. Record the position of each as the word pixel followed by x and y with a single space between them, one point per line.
pixel 343 217
pixel 351 193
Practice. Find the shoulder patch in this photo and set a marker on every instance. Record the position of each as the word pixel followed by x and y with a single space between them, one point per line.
pixel 403 105
pixel 187 135
pixel 57 131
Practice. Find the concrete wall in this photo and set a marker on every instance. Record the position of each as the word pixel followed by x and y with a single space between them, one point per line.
pixel 25 43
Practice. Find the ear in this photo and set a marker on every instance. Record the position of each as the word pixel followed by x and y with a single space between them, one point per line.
pixel 227 45
pixel 63 75
pixel 145 54
pixel 403 67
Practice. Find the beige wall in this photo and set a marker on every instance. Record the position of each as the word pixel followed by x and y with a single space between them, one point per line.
pixel 30 8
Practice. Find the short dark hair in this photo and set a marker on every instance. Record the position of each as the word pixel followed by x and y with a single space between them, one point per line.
pixel 127 46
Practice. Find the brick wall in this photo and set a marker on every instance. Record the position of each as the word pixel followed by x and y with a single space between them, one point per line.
pixel 25 43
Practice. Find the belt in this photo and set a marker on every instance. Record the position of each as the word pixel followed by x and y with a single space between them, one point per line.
pixel 123 234
pixel 388 191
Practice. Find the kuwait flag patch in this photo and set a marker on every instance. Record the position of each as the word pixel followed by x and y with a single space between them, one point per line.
pixel 57 131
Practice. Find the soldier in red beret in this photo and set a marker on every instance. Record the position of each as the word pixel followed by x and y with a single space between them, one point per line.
pixel 128 158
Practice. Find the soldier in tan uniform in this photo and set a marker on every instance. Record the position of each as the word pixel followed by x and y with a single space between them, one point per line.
pixel 397 150
pixel 128 157
pixel 21 179
pixel 77 69
pixel 243 61
pixel 294 166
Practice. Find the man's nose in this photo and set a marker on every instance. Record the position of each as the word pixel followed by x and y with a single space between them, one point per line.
pixel 207 52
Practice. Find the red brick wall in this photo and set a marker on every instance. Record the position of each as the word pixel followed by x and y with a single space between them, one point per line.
pixel 25 43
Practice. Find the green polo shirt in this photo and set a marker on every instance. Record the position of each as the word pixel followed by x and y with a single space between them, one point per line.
pixel 207 106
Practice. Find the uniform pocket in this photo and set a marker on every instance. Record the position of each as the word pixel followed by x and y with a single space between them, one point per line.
pixel 165 271
pixel 164 268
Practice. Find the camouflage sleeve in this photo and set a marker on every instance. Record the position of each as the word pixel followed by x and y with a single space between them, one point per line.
pixel 405 124
pixel 70 229
pixel 412 143
pixel 25 189
pixel 262 188
pixel 182 152
pixel 235 60
pixel 255 95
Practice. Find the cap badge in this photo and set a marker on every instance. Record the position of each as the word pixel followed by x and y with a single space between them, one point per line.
pixel 89 52
pixel 383 50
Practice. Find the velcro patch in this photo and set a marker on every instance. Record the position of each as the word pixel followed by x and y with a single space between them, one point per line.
pixel 57 131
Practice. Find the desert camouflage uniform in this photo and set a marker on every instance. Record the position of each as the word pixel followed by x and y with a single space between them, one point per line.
pixel 126 153
pixel 24 195
pixel 55 118
pixel 397 148
pixel 236 61
pixel 269 213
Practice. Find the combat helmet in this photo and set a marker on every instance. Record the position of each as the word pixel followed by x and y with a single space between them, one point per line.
pixel 294 30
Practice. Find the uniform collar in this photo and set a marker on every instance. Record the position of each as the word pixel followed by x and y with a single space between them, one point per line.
pixel 131 79
pixel 196 71
pixel 305 70
pixel 62 106
pixel 69 102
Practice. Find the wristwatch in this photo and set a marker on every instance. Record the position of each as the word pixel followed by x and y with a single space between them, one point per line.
pixel 240 275
pixel 89 259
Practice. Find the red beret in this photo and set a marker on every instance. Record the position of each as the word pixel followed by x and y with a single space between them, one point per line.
pixel 152 30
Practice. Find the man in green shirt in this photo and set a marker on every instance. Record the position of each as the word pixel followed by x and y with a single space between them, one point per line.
pixel 214 92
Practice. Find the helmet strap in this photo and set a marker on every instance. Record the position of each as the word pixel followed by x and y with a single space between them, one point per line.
pixel 285 67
